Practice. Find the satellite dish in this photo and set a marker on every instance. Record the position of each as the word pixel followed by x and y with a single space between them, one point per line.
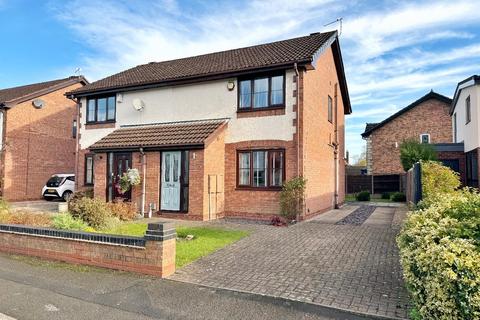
pixel 138 104
pixel 38 103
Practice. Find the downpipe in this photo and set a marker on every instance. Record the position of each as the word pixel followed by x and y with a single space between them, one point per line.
pixel 144 174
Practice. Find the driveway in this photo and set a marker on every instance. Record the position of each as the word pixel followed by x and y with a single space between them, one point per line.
pixel 345 259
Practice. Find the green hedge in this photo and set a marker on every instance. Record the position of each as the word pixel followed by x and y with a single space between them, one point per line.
pixel 440 250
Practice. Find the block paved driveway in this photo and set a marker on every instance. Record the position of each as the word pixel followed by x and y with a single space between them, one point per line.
pixel 354 267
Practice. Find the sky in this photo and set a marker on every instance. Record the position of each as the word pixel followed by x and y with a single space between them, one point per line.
pixel 394 51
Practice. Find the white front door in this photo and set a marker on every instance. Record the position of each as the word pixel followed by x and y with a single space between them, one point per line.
pixel 171 170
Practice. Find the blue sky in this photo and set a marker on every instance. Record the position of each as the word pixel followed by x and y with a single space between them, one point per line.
pixel 394 51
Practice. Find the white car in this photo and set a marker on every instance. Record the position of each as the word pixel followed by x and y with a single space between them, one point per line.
pixel 60 185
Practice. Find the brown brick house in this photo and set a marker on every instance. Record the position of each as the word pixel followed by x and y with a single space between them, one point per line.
pixel 426 120
pixel 218 134
pixel 36 126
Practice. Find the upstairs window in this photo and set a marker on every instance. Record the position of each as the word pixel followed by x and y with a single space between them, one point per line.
pixel 424 138
pixel 468 111
pixel 261 92
pixel 260 168
pixel 454 123
pixel 101 109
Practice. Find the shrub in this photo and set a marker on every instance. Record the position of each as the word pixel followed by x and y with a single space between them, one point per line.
pixel 363 196
pixel 412 151
pixel 440 255
pixel 398 197
pixel 291 198
pixel 123 210
pixel 94 212
pixel 386 195
pixel 65 221
pixel 28 218
pixel 437 180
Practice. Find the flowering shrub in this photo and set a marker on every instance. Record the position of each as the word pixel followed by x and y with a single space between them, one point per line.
pixel 440 254
pixel 129 179
pixel 437 180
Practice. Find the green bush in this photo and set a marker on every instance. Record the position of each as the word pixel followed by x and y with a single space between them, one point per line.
pixel 437 180
pixel 363 196
pixel 94 212
pixel 440 255
pixel 398 197
pixel 123 210
pixel 291 197
pixel 412 151
pixel 65 221
pixel 386 195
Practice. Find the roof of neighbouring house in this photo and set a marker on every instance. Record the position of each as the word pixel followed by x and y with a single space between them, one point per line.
pixel 15 95
pixel 276 55
pixel 370 127
pixel 160 135
pixel 470 81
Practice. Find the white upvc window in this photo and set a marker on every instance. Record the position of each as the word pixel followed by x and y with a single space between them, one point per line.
pixel 424 138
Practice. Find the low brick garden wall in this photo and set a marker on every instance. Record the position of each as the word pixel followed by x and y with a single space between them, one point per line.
pixel 153 254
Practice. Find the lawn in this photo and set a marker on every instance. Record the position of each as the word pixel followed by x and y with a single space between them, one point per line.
pixel 206 240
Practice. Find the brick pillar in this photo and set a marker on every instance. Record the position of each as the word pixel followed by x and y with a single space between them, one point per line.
pixel 161 246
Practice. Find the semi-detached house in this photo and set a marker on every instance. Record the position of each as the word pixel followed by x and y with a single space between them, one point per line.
pixel 218 134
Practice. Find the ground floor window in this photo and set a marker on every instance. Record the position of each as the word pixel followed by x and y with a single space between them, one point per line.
pixel 260 168
pixel 89 169
pixel 472 168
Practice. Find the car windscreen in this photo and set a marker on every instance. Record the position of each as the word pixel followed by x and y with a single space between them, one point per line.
pixel 55 181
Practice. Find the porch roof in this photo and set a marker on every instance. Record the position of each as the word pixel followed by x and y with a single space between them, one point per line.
pixel 159 135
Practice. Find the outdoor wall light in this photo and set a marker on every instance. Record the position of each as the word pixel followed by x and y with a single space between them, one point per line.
pixel 230 85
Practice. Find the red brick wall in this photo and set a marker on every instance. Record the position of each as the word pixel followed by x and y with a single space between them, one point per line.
pixel 318 136
pixel 156 258
pixel 260 204
pixel 430 117
pixel 100 169
pixel 39 143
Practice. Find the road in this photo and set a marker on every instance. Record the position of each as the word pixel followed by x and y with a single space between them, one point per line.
pixel 35 289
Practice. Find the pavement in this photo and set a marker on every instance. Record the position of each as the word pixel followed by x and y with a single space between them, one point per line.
pixel 34 289
pixel 353 267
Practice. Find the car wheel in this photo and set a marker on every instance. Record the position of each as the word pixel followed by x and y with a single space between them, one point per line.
pixel 48 198
pixel 66 195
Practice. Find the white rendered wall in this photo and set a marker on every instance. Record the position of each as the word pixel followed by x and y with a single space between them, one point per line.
pixel 468 133
pixel 206 100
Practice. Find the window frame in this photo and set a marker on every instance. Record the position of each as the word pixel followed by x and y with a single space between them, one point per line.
pixel 85 183
pixel 96 98
pixel 252 79
pixel 468 110
pixel 425 134
pixel 267 169
pixel 454 120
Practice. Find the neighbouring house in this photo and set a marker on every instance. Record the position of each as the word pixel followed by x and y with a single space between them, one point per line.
pixel 218 134
pixel 426 120
pixel 466 125
pixel 38 125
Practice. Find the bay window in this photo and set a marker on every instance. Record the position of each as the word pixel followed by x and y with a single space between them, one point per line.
pixel 261 92
pixel 260 168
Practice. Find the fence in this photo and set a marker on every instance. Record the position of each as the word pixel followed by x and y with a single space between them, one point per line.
pixel 375 184
pixel 414 184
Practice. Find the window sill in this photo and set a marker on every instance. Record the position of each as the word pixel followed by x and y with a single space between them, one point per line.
pixel 240 188
pixel 261 112
pixel 100 125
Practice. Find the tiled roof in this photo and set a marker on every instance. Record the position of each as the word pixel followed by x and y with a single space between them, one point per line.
pixel 15 93
pixel 300 50
pixel 167 134
pixel 431 95
pixel 370 126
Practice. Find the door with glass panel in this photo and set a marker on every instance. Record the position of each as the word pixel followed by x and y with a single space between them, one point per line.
pixel 171 185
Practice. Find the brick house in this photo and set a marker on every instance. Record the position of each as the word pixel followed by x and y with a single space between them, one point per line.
pixel 465 125
pixel 427 120
pixel 217 135
pixel 36 136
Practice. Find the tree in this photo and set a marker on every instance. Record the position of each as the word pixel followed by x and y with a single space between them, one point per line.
pixel 412 151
